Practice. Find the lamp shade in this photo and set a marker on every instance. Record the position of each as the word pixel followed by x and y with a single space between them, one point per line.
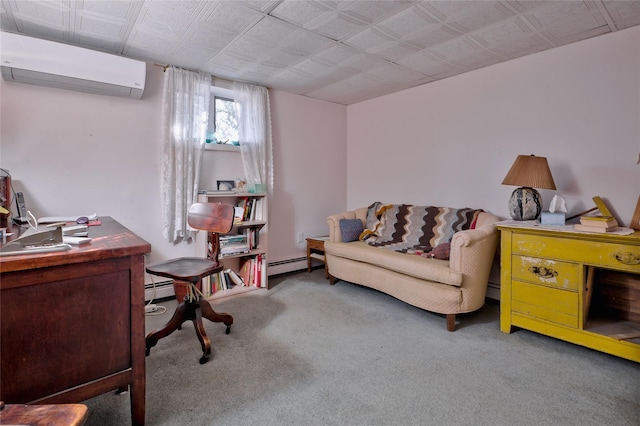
pixel 528 172
pixel 531 172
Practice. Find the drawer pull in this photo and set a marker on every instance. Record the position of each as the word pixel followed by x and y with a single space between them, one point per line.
pixel 543 272
pixel 627 258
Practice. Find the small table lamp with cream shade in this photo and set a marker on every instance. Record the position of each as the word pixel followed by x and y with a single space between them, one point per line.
pixel 528 172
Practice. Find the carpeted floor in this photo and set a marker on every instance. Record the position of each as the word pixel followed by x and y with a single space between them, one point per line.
pixel 307 353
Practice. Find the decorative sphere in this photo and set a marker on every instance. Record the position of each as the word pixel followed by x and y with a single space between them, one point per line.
pixel 525 204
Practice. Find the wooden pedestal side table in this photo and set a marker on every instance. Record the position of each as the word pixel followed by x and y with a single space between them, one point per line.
pixel 315 250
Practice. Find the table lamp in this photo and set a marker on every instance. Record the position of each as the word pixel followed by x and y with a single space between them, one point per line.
pixel 528 172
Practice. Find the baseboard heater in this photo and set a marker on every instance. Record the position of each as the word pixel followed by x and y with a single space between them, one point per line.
pixel 287 265
pixel 159 290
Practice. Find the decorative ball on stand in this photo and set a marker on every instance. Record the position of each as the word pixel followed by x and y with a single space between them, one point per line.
pixel 525 204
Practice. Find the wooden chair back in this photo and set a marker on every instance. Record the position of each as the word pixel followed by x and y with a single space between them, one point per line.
pixel 212 217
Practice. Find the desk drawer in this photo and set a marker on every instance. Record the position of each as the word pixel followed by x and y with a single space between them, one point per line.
pixel 545 303
pixel 605 254
pixel 552 273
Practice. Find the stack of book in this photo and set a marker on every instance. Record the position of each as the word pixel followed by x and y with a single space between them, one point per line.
pixel 599 223
pixel 233 244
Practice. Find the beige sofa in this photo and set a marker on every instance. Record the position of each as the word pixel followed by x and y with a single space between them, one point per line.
pixel 448 287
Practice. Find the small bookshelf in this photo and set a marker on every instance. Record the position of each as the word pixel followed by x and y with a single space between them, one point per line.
pixel 243 251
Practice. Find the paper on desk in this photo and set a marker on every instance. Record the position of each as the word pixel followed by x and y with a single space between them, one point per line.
pixel 53 219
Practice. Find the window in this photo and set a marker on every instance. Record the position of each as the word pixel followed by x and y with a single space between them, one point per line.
pixel 223 123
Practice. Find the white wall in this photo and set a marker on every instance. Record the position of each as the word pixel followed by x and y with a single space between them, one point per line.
pixel 452 142
pixel 73 153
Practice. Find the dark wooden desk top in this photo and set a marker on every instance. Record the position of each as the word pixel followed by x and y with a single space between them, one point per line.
pixel 109 240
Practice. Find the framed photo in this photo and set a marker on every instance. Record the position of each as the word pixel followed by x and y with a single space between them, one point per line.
pixel 226 185
pixel 635 220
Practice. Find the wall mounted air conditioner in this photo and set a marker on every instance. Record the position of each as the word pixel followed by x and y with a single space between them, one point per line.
pixel 46 63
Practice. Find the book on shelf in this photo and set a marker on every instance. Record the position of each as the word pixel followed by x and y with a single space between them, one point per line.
pixel 599 229
pixel 253 271
pixel 599 221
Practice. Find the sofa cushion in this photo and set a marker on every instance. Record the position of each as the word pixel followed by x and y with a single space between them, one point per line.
pixel 350 229
pixel 408 264
pixel 405 227
pixel 441 251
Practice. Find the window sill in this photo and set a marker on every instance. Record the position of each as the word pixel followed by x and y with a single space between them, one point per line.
pixel 221 147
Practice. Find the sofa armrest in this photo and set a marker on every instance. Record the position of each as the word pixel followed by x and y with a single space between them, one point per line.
pixel 335 234
pixel 473 250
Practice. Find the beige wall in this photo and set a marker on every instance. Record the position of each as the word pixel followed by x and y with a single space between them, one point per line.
pixel 452 142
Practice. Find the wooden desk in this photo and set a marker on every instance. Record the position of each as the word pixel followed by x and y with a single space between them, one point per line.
pixel 73 322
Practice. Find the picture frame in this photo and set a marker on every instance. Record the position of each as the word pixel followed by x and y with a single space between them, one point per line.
pixel 635 220
pixel 226 185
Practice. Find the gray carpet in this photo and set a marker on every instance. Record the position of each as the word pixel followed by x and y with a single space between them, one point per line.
pixel 306 353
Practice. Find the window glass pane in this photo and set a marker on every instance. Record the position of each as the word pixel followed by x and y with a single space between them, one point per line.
pixel 225 121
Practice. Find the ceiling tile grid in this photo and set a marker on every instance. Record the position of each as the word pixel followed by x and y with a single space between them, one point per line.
pixel 335 50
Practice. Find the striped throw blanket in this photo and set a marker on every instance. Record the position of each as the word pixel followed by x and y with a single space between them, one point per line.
pixel 403 227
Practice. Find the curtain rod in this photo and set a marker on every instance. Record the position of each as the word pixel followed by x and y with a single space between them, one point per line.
pixel 165 66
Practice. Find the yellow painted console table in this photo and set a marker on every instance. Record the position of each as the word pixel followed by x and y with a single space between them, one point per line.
pixel 580 287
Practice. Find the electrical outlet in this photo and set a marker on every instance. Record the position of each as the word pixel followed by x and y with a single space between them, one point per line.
pixel 300 237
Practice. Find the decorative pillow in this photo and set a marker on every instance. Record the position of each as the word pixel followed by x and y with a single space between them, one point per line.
pixel 440 251
pixel 350 229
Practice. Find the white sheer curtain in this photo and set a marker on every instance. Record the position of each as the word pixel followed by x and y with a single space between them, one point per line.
pixel 254 131
pixel 185 114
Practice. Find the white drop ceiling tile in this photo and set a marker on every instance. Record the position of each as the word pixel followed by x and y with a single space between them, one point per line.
pixel 192 58
pixel 337 26
pixel 432 36
pixel 427 64
pixel 149 40
pixel 372 11
pixel 454 48
pixel 248 48
pixel 395 51
pixel 37 30
pixel 394 74
pixel 307 43
pixel 229 16
pixel 583 35
pixel 103 44
pixel 367 39
pixel 625 14
pixel 263 69
pixel 476 60
pixel 261 5
pixel 143 54
pixel 100 28
pixel 468 15
pixel 159 17
pixel 301 13
pixel 108 8
pixel 511 38
pixel 271 31
pixel 212 39
pixel 337 54
pixel 226 61
pixel 363 62
pixel 54 14
pixel 280 58
pixel 322 73
pixel 583 17
pixel 408 21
